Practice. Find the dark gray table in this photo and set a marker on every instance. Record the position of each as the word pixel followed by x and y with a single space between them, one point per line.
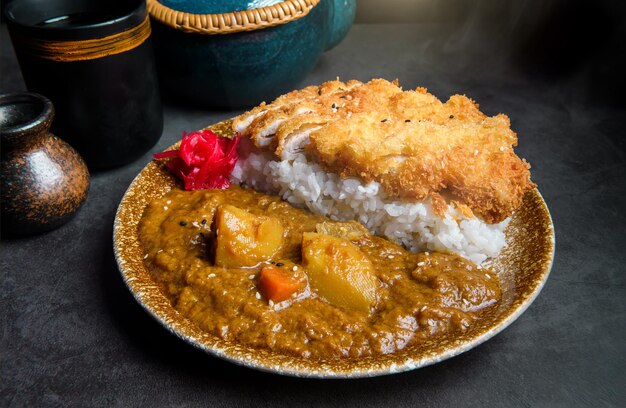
pixel 72 335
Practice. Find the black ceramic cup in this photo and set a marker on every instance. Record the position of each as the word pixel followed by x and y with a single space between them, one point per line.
pixel 94 60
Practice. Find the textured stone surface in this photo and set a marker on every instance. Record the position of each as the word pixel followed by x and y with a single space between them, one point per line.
pixel 72 335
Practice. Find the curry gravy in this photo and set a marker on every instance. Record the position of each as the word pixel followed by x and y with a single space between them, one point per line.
pixel 419 296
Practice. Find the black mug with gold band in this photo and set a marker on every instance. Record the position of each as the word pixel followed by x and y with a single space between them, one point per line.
pixel 94 60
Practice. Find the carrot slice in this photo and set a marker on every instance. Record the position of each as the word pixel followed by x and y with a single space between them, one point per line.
pixel 276 285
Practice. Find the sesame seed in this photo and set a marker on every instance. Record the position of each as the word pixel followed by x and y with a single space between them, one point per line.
pixel 182 223
pixel 257 295
pixel 451 116
pixel 426 253
pixel 501 148
pixel 271 303
pixel 420 263
pixel 279 264
pixel 203 222
pixel 251 277
pixel 295 268
pixel 475 152
pixel 211 275
pixel 407 120
pixel 168 202
pixel 165 207
pixel 146 256
pixel 390 256
pixel 384 120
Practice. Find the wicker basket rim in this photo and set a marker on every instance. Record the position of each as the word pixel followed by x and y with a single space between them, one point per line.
pixel 231 22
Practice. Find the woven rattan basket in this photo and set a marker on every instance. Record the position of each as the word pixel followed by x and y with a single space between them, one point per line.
pixel 233 22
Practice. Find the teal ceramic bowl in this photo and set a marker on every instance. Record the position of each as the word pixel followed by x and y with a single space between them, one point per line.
pixel 238 53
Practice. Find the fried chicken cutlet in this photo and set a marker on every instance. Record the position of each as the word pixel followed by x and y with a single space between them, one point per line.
pixel 410 142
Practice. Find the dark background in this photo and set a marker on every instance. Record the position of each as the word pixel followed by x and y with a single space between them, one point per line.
pixel 575 43
pixel 72 335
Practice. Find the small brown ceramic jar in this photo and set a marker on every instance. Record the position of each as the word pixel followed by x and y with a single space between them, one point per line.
pixel 44 180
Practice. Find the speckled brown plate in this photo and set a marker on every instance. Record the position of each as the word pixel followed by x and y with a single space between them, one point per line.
pixel 523 267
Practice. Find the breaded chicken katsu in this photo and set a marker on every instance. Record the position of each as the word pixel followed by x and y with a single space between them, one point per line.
pixel 409 143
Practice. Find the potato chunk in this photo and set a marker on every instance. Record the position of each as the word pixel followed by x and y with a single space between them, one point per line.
pixel 244 239
pixel 339 272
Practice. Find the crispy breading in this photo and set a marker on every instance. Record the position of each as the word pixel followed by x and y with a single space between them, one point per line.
pixel 294 102
pixel 409 141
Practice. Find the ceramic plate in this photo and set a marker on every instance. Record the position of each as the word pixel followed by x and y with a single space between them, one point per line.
pixel 523 267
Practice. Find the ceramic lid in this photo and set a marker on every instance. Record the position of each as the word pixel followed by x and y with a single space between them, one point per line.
pixel 74 20
pixel 217 7
pixel 227 16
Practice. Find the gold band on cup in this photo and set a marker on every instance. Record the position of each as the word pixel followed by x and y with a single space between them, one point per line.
pixel 83 50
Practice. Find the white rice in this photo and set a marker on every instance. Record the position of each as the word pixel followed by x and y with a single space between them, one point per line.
pixel 411 224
